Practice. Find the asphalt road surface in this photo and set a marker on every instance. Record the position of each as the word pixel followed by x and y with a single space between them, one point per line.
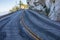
pixel 28 25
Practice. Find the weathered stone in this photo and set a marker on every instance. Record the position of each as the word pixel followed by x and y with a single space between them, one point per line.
pixel 36 4
pixel 55 11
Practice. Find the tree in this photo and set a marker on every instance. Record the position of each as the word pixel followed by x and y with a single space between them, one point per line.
pixel 14 9
pixel 20 3
pixel 21 6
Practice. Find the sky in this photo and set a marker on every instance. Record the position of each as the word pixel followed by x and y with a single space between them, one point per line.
pixel 6 5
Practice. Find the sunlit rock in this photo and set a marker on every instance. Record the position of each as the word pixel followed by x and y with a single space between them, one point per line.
pixel 36 4
pixel 55 11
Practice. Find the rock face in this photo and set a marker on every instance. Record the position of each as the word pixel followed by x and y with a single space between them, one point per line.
pixel 52 6
pixel 52 11
pixel 55 11
pixel 36 4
